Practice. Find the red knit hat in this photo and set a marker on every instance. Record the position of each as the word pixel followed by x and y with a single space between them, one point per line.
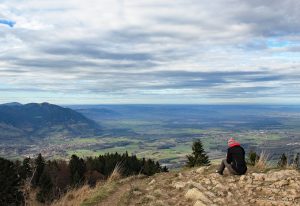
pixel 232 142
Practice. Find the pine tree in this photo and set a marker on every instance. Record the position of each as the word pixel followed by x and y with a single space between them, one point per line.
pixel 39 168
pixel 282 161
pixel 25 170
pixel 253 157
pixel 198 156
pixel 296 161
pixel 45 188
pixel 10 193
pixel 77 168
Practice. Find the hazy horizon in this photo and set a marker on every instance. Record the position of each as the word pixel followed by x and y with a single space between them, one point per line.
pixel 163 104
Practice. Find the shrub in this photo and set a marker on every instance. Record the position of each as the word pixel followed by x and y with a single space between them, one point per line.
pixel 282 161
pixel 253 158
pixel 296 161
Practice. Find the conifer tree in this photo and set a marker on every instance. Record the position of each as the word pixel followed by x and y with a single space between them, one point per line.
pixel 198 156
pixel 39 168
pixel 296 161
pixel 77 169
pixel 10 193
pixel 25 170
pixel 282 161
pixel 45 188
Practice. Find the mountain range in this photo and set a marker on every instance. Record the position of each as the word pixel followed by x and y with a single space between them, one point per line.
pixel 44 121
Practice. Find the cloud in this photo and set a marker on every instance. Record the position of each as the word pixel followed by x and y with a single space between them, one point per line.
pixel 151 51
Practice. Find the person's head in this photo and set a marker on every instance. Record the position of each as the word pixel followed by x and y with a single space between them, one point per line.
pixel 232 142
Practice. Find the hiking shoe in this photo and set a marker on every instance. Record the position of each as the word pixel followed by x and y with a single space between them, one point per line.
pixel 218 172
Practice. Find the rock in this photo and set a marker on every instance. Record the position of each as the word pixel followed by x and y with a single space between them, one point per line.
pixel 210 194
pixel 199 203
pixel 243 178
pixel 277 187
pixel 294 197
pixel 150 197
pixel 270 191
pixel 279 175
pixel 157 192
pixel 152 182
pixel 249 180
pixel 137 193
pixel 258 176
pixel 221 187
pixel 179 185
pixel 195 194
pixel 266 203
pixel 197 185
pixel 180 176
pixel 159 203
pixel 207 181
pixel 200 170
pixel 231 180
pixel 232 186
pixel 281 183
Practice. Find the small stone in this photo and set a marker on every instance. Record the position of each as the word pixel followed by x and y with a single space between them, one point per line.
pixel 199 203
pixel 207 181
pixel 152 182
pixel 281 183
pixel 200 170
pixel 258 176
pixel 179 185
pixel 137 193
pixel 243 178
pixel 252 200
pixel 150 197
pixel 180 175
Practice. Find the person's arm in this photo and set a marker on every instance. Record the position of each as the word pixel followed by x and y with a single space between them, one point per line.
pixel 229 156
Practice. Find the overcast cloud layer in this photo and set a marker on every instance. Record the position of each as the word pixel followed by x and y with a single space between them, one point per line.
pixel 152 51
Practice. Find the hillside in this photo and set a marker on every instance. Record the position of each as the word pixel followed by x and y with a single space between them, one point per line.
pixel 43 120
pixel 195 187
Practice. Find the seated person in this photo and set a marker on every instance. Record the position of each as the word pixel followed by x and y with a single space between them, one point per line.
pixel 235 160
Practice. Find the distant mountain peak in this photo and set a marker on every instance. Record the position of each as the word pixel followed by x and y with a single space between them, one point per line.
pixel 46 120
pixel 13 104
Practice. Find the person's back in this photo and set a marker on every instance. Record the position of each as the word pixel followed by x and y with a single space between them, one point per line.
pixel 235 160
pixel 236 157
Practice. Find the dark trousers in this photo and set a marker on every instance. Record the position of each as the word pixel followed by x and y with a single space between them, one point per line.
pixel 225 164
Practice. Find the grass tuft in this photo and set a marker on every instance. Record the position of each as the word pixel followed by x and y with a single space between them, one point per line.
pixel 262 162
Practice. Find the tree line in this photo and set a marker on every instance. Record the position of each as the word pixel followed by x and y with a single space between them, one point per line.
pixel 52 178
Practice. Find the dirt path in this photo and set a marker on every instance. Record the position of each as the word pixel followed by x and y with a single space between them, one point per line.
pixel 114 198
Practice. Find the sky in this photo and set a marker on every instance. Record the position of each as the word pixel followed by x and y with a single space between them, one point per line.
pixel 150 51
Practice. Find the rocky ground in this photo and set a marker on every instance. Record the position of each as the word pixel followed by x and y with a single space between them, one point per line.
pixel 194 187
pixel 202 186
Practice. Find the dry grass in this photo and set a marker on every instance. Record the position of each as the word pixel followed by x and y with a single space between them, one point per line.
pixel 31 199
pixel 76 196
pixel 86 196
pixel 105 190
pixel 262 162
pixel 116 174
